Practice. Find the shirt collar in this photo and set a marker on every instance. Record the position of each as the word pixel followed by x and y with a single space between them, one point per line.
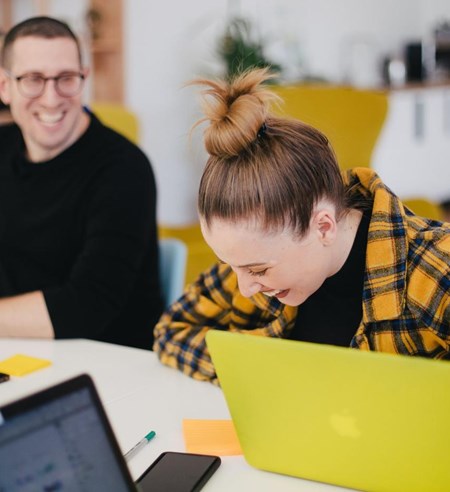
pixel 384 290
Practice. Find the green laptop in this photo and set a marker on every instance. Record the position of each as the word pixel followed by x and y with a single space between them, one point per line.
pixel 364 420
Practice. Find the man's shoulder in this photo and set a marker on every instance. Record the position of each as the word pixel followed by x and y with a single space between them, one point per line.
pixel 114 146
pixel 9 133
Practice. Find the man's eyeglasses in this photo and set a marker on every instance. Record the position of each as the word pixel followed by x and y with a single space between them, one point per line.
pixel 33 84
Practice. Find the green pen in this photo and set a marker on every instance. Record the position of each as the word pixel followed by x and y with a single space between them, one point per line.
pixel 139 445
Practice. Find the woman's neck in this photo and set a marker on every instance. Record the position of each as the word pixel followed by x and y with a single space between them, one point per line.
pixel 347 230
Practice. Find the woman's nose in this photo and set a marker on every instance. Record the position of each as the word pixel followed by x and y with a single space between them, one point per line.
pixel 248 285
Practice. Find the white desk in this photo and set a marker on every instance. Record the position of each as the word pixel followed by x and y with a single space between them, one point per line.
pixel 140 395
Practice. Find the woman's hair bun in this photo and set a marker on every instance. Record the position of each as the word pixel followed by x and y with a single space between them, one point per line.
pixel 236 111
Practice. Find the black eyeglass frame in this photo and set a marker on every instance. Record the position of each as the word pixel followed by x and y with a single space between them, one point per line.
pixel 57 78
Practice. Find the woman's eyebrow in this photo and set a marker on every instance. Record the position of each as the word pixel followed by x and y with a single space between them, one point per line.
pixel 248 265
pixel 251 265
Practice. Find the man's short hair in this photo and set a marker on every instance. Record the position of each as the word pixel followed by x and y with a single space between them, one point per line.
pixel 41 27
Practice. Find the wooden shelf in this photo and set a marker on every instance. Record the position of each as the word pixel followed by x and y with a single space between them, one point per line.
pixel 425 84
pixel 107 50
pixel 39 7
pixel 104 46
pixel 5 15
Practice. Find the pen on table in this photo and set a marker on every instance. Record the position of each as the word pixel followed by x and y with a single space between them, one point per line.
pixel 139 445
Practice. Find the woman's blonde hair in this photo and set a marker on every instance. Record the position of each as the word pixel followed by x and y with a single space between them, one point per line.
pixel 262 166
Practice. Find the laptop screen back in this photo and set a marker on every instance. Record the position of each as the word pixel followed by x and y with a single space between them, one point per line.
pixel 60 439
pixel 364 420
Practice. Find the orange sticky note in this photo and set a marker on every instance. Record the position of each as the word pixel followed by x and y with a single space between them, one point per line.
pixel 217 437
pixel 20 365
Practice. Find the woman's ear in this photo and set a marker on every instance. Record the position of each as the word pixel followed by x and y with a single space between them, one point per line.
pixel 324 222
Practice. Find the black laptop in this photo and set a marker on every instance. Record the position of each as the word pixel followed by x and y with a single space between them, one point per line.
pixel 60 439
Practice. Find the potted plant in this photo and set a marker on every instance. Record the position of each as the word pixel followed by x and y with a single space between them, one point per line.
pixel 240 50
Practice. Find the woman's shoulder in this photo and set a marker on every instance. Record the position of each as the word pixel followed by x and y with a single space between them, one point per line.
pixel 428 237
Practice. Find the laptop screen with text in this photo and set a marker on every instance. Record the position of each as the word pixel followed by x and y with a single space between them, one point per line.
pixel 60 439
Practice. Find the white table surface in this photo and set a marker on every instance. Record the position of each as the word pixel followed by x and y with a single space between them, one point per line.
pixel 139 395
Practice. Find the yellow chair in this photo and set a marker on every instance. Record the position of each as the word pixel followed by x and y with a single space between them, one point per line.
pixel 119 118
pixel 351 118
pixel 425 208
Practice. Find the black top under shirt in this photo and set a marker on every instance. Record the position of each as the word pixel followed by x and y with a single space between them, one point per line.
pixel 81 227
pixel 333 313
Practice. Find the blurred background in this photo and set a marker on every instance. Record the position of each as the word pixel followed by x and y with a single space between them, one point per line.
pixel 142 53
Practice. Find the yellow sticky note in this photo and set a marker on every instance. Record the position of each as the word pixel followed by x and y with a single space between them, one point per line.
pixel 20 365
pixel 216 437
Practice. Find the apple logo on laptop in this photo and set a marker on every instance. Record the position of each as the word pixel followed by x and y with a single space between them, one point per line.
pixel 345 425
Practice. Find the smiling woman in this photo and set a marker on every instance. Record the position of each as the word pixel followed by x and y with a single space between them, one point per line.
pixel 276 265
pixel 307 253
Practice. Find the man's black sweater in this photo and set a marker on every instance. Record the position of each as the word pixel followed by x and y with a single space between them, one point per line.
pixel 82 229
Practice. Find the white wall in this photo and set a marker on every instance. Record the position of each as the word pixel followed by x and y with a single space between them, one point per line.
pixel 326 31
pixel 68 10
pixel 413 151
pixel 167 43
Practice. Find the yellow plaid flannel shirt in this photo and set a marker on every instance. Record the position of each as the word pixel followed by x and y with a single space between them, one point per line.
pixel 406 293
